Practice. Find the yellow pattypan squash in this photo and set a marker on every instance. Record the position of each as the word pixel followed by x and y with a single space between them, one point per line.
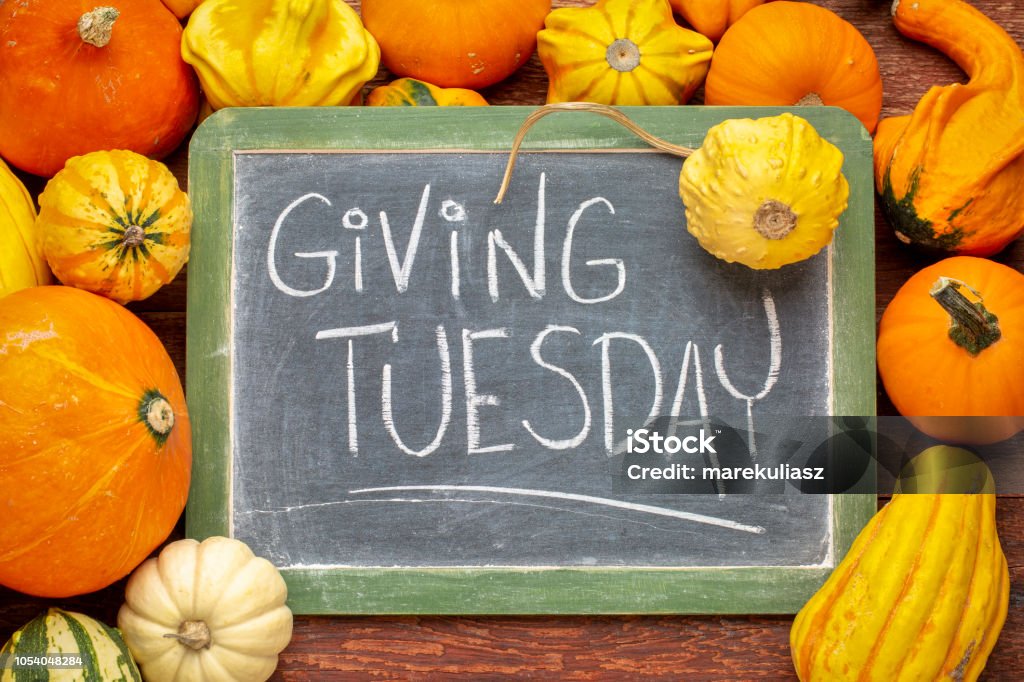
pixel 116 224
pixel 409 92
pixel 21 255
pixel 279 52
pixel 621 52
pixel 765 192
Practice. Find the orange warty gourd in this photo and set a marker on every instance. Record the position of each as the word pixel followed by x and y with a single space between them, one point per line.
pixel 951 344
pixel 79 77
pixel 95 443
pixel 455 43
pixel 786 53
pixel 950 174
pixel 712 17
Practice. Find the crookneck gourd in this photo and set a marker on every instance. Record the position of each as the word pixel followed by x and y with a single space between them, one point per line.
pixel 409 92
pixel 116 224
pixel 279 52
pixel 921 595
pixel 950 174
pixel 950 349
pixel 621 52
pixel 21 254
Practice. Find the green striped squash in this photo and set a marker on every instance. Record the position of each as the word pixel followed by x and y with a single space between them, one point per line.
pixel 58 633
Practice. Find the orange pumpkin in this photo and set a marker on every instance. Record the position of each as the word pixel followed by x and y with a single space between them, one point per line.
pixel 78 78
pixel 182 8
pixel 712 17
pixel 786 53
pixel 95 443
pixel 951 344
pixel 455 43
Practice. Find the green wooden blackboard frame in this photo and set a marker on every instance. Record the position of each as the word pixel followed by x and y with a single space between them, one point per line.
pixel 503 590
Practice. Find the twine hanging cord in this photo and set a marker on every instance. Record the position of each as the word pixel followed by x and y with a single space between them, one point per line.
pixel 601 109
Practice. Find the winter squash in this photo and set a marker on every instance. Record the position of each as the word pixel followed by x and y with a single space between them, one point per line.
pixel 116 224
pixel 21 255
pixel 712 17
pixel 786 53
pixel 950 345
pixel 621 52
pixel 272 53
pixel 950 173
pixel 455 43
pixel 95 444
pixel 209 611
pixel 79 77
pixel 748 195
pixel 101 649
pixel 181 8
pixel 409 92
pixel 921 595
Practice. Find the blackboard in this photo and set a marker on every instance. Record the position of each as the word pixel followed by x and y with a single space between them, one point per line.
pixel 412 400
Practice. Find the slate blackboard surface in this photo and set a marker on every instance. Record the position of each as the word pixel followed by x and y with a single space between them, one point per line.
pixel 421 392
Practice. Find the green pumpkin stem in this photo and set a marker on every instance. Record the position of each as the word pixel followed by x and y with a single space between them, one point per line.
pixel 97 26
pixel 971 325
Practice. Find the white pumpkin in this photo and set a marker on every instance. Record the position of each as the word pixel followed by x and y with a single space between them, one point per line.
pixel 206 612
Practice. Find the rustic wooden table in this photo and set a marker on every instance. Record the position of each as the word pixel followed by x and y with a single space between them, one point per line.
pixel 598 648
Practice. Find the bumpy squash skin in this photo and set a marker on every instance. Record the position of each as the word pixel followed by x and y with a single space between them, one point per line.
pixel 21 255
pixel 950 174
pixel 62 97
pixel 279 52
pixel 765 192
pixel 787 53
pixel 622 52
pixel 409 92
pixel 94 466
pixel 926 374
pixel 455 43
pixel 116 224
pixel 713 17
pixel 921 595
pixel 218 585
pixel 104 653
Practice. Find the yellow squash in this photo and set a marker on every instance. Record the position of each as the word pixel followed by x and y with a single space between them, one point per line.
pixel 409 92
pixel 116 224
pixel 950 174
pixel 765 192
pixel 621 52
pixel 922 593
pixel 279 52
pixel 21 255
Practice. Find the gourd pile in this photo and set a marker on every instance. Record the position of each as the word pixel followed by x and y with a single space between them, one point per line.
pixel 95 443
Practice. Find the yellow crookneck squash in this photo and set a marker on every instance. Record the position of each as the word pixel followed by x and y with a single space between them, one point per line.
pixel 713 17
pixel 116 224
pixel 409 92
pixel 921 595
pixel 279 52
pixel 623 52
pixel 21 254
pixel 950 174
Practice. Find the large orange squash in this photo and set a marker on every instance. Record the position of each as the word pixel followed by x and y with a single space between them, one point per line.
pixel 951 344
pixel 455 43
pixel 785 53
pixel 79 77
pixel 95 443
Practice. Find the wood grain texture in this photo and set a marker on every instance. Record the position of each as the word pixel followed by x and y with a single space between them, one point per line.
pixel 599 648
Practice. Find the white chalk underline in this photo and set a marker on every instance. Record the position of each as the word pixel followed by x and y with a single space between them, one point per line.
pixel 603 501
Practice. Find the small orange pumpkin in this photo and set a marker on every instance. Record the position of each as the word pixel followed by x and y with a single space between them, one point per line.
pixel 95 443
pixel 409 92
pixel 79 77
pixel 712 17
pixel 455 43
pixel 181 8
pixel 785 53
pixel 951 344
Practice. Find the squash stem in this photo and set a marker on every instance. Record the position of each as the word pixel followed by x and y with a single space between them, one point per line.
pixel 971 325
pixel 603 110
pixel 96 27
pixel 195 634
